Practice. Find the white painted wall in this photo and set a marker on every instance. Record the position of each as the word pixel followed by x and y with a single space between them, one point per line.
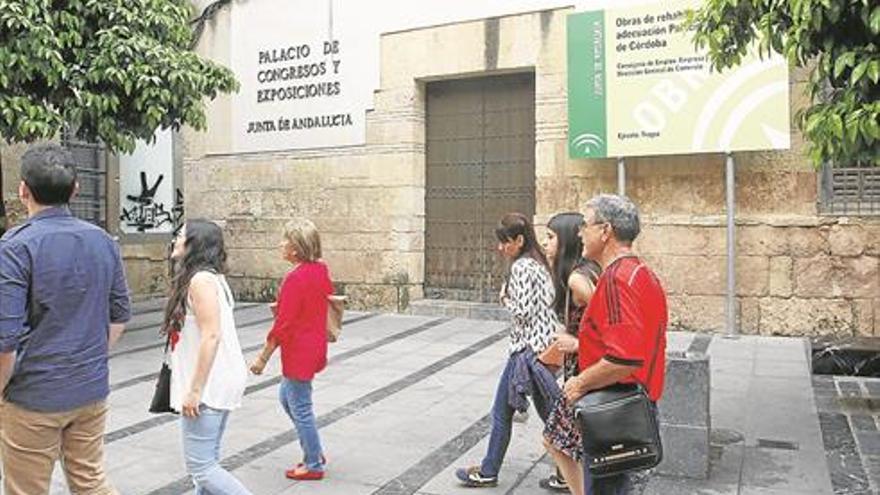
pixel 149 213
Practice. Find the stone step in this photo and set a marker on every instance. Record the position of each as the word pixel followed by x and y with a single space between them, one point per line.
pixel 458 309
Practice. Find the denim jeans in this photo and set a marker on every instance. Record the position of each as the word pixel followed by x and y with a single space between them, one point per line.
pixel 201 449
pixel 296 399
pixel 502 423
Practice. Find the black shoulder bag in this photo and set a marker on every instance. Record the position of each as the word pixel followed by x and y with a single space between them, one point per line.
pixel 619 428
pixel 161 402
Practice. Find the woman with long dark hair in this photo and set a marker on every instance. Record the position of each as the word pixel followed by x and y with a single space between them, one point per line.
pixel 575 279
pixel 208 371
pixel 528 295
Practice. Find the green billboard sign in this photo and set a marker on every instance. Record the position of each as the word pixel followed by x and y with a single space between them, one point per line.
pixel 638 87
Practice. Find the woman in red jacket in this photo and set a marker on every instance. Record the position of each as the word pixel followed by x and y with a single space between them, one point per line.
pixel 300 330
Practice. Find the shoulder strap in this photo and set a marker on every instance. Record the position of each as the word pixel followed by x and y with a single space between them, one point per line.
pixel 224 287
pixel 567 307
pixel 220 280
pixel 653 358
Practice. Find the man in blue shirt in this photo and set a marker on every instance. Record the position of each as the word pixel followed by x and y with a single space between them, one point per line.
pixel 63 304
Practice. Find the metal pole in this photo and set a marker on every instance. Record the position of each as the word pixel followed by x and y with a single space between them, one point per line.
pixel 731 246
pixel 621 176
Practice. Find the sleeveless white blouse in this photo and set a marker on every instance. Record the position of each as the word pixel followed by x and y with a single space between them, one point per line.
pixel 226 381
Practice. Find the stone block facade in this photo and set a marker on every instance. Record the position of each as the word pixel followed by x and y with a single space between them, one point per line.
pixel 797 272
pixel 146 269
pixel 796 275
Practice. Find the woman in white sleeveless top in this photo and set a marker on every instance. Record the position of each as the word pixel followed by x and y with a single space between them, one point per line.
pixel 208 371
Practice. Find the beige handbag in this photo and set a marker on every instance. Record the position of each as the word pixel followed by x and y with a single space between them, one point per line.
pixel 335 307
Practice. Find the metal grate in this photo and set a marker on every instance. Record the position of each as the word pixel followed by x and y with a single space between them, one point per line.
pixel 850 190
pixel 90 204
pixel 777 444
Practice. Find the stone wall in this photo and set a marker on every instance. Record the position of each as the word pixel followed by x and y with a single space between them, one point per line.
pixel 145 265
pixel 797 272
pixel 796 275
pixel 9 167
pixel 146 269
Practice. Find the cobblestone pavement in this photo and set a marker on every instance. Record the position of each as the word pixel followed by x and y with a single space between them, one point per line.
pixel 849 411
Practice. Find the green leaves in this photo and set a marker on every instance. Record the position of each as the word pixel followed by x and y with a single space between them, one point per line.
pixel 112 70
pixel 874 71
pixel 836 39
pixel 874 21
pixel 859 71
pixel 844 61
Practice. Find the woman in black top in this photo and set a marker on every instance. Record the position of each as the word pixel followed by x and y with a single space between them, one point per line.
pixel 575 279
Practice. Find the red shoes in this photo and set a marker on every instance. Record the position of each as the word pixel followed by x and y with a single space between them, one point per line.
pixel 306 475
pixel 300 473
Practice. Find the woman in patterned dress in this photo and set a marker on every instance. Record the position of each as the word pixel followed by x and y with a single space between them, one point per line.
pixel 528 295
pixel 575 279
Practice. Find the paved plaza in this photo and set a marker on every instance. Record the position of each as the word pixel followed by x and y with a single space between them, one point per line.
pixel 404 401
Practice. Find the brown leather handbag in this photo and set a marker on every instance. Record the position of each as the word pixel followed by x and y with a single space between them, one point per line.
pixel 552 358
pixel 335 307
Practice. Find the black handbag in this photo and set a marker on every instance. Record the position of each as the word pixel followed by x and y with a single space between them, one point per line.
pixel 619 428
pixel 161 402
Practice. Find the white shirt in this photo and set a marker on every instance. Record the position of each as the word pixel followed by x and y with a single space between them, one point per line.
pixel 529 299
pixel 225 385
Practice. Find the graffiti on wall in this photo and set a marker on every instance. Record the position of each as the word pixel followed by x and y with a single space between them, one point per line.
pixel 144 212
pixel 177 211
pixel 149 202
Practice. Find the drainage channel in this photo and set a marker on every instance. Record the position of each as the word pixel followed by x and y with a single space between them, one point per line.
pixel 846 388
pixel 858 356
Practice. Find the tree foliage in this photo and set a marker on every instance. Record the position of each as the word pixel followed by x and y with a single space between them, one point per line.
pixel 114 70
pixel 839 40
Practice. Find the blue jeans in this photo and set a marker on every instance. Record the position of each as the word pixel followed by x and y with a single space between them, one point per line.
pixel 502 423
pixel 201 449
pixel 296 399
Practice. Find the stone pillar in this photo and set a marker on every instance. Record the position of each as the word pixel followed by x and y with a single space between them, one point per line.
pixel 684 416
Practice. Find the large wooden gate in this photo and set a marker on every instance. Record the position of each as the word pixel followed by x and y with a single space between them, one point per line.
pixel 480 165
